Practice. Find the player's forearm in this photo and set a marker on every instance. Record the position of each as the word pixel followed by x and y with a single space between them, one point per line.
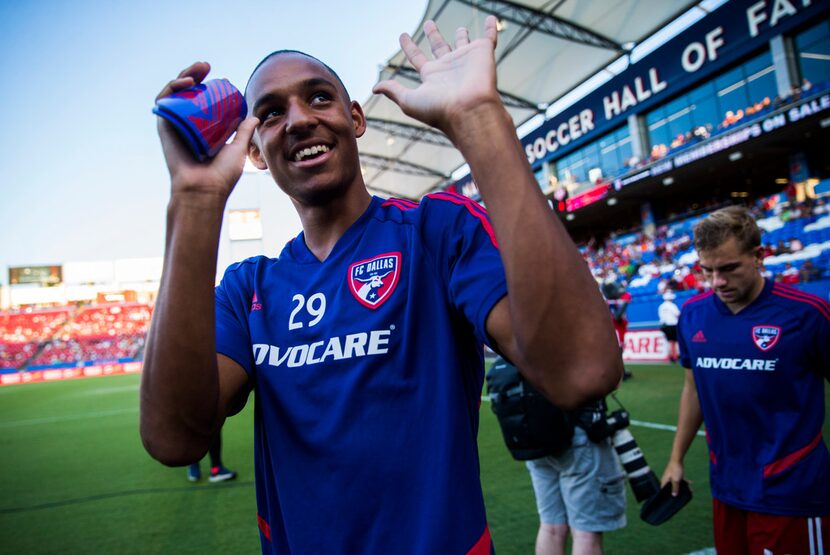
pixel 180 385
pixel 689 419
pixel 560 322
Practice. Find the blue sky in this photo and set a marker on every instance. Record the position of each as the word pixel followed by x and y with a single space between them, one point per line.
pixel 81 171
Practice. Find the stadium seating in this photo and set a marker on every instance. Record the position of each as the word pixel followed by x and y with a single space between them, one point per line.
pixel 88 349
pixel 102 321
pixel 21 332
pixel 650 265
pixel 95 333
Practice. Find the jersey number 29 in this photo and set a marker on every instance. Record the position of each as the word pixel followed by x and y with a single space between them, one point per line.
pixel 316 307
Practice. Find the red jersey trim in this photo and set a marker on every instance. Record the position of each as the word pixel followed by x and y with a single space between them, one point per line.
pixel 463 198
pixel 472 207
pixel 400 203
pixel 264 527
pixel 796 295
pixel 712 456
pixel 699 297
pixel 483 545
pixel 784 463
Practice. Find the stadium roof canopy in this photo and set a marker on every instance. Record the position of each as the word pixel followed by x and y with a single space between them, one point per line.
pixel 546 48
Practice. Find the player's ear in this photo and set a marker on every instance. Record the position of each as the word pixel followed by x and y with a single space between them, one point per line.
pixel 758 254
pixel 358 118
pixel 255 154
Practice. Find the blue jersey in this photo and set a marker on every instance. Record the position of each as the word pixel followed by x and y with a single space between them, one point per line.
pixel 367 370
pixel 759 377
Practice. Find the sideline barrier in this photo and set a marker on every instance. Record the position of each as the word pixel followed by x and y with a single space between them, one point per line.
pixel 58 374
pixel 648 345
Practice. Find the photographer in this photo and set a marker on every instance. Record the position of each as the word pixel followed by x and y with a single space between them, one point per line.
pixel 578 483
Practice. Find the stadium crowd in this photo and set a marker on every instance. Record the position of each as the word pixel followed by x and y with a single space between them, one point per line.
pixel 796 243
pixel 107 332
pixel 731 118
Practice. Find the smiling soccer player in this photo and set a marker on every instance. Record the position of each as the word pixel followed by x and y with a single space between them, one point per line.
pixel 363 340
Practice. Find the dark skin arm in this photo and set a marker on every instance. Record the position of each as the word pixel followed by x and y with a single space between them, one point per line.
pixel 187 390
pixel 554 323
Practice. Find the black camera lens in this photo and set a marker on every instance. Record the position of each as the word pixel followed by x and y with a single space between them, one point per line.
pixel 644 483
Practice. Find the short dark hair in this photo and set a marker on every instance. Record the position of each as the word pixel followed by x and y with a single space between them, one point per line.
pixel 276 53
pixel 720 225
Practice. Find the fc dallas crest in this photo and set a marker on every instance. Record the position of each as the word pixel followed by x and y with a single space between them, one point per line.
pixel 373 281
pixel 766 337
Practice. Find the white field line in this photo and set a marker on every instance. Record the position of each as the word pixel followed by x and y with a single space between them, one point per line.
pixel 66 418
pixel 639 423
pixel 656 426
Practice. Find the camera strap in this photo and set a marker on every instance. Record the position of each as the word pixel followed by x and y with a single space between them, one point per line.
pixel 614 396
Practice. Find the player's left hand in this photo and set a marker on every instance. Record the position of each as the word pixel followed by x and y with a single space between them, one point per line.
pixel 674 474
pixel 455 82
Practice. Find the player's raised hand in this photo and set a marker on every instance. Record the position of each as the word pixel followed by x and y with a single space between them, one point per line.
pixel 217 175
pixel 456 81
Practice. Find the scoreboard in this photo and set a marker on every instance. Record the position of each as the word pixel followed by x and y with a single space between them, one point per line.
pixel 45 276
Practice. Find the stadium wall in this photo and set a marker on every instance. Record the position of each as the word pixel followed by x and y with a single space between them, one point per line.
pixel 731 32
pixel 277 218
pixel 603 146
pixel 58 374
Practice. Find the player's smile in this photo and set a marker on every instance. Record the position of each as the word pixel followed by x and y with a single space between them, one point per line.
pixel 310 153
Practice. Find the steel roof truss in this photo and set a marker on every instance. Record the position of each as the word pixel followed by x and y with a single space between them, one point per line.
pixel 409 132
pixel 543 22
pixel 384 163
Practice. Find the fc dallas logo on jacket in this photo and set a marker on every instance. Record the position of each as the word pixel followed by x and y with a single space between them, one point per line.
pixel 765 337
pixel 374 280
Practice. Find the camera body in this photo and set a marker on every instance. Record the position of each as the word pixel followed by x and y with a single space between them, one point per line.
pixel 644 483
pixel 604 425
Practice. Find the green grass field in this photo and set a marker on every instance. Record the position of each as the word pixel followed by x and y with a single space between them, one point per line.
pixel 74 477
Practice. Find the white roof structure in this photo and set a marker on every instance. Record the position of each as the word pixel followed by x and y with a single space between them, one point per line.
pixel 545 49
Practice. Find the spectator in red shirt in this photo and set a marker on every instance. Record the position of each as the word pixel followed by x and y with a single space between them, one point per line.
pixel 790 274
pixel 689 279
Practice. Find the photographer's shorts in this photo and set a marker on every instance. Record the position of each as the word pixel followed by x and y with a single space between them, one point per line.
pixel 584 487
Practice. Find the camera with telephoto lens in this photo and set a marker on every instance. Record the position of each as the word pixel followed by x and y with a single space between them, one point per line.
pixel 644 483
